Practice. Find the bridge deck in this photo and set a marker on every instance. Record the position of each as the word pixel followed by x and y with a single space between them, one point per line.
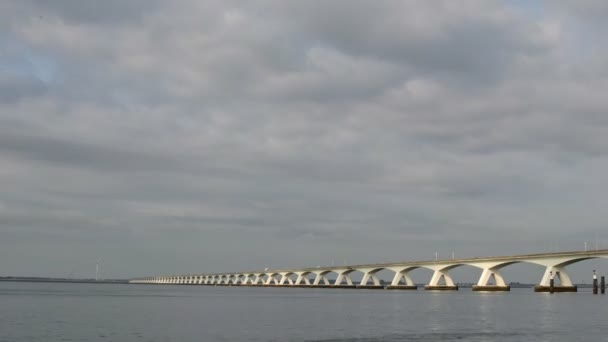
pixel 405 264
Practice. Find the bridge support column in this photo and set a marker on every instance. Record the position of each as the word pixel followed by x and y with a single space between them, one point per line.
pixel 486 275
pixel 258 280
pixel 402 276
pixel 286 279
pixel 565 284
pixel 321 277
pixel 272 280
pixel 302 277
pixel 370 274
pixel 437 276
pixel 344 276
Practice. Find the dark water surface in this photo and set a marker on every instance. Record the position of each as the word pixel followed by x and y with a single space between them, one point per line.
pixel 109 312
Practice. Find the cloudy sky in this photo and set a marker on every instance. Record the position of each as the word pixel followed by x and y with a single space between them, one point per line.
pixel 200 136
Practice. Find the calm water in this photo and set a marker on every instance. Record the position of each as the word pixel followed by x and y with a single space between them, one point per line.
pixel 86 312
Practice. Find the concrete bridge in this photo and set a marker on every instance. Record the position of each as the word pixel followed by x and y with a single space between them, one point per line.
pixel 555 269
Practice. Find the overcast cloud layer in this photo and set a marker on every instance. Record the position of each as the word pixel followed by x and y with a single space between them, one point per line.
pixel 200 136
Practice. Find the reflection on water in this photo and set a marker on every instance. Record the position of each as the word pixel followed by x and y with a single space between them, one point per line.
pixel 86 312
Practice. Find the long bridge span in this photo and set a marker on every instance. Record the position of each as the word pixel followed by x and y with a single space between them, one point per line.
pixel 340 276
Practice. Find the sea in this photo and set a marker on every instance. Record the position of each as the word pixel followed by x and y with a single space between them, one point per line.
pixel 37 312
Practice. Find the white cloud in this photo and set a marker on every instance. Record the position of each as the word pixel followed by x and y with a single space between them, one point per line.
pixel 299 128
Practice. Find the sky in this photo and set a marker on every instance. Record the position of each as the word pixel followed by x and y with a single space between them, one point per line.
pixel 165 137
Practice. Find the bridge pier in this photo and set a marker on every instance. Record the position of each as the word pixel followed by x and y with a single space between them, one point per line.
pixel 371 287
pixel 302 276
pixel 402 287
pixel 565 283
pixel 321 277
pixel 491 288
pixel 441 287
pixel 402 280
pixel 559 288
pixel 491 272
pixel 441 272
pixel 343 276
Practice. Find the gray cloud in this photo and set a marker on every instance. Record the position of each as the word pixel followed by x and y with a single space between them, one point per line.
pixel 92 12
pixel 208 136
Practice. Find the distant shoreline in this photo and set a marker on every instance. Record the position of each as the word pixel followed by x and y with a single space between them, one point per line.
pixel 62 280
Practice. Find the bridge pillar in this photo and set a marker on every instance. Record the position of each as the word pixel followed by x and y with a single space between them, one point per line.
pixel 565 284
pixel 272 279
pixel 486 275
pixel 343 275
pixel 402 275
pixel 322 276
pixel 286 279
pixel 370 274
pixel 440 273
pixel 302 276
